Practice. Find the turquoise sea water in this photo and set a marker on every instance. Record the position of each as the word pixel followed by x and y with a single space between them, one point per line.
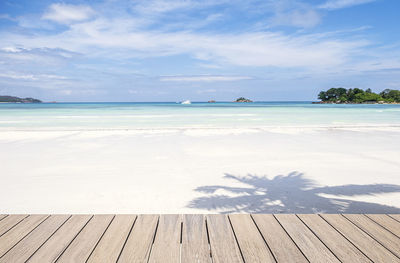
pixel 94 116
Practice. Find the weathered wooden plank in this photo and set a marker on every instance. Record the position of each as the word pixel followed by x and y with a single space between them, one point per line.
pixel 309 244
pixel 251 243
pixel 387 222
pixel 110 245
pixel 81 247
pixel 10 222
pixel 58 242
pixel 222 240
pixel 351 238
pixel 17 233
pixel 195 247
pixel 166 247
pixel 340 246
pixel 370 247
pixel 24 249
pixel 277 239
pixel 395 216
pixel 137 247
pixel 386 238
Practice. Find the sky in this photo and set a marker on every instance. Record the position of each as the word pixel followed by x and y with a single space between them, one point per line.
pixel 173 50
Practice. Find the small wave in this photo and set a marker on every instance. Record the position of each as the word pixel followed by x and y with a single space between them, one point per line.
pixel 149 116
pixel 112 116
pixel 210 128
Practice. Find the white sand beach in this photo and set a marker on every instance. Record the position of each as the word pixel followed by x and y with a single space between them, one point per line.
pixel 294 170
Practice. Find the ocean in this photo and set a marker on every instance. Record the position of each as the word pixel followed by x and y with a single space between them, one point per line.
pixel 170 115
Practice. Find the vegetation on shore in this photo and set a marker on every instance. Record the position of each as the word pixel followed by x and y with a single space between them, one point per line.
pixel 342 95
pixel 12 99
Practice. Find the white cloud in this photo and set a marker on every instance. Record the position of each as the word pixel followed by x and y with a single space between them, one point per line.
pixel 6 16
pixel 51 76
pixel 206 91
pixel 32 77
pixel 207 78
pixel 114 38
pixel 108 37
pixel 161 6
pixel 69 92
pixel 337 4
pixel 152 7
pixel 12 75
pixel 297 18
pixel 11 49
pixel 120 37
pixel 65 13
pixel 209 66
pixel 293 13
pixel 66 92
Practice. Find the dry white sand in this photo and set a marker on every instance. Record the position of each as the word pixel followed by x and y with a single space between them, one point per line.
pixel 201 171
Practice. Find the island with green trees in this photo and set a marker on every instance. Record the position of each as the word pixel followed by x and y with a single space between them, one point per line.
pixel 12 99
pixel 358 96
pixel 241 99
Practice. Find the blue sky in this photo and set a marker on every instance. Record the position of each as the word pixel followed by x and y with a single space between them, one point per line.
pixel 171 50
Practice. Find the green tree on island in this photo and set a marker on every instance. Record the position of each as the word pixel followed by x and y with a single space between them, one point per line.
pixel 342 95
pixel 391 95
pixel 12 99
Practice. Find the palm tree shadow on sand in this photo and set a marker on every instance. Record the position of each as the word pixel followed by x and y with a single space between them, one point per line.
pixel 290 194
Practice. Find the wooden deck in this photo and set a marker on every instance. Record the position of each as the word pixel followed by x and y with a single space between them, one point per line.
pixel 200 238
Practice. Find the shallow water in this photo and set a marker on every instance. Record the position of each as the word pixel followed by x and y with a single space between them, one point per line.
pixel 97 116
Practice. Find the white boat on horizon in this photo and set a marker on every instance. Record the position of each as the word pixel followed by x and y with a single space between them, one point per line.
pixel 186 102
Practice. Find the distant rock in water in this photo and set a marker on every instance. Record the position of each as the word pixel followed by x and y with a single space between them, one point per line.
pixel 211 101
pixel 12 99
pixel 241 99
